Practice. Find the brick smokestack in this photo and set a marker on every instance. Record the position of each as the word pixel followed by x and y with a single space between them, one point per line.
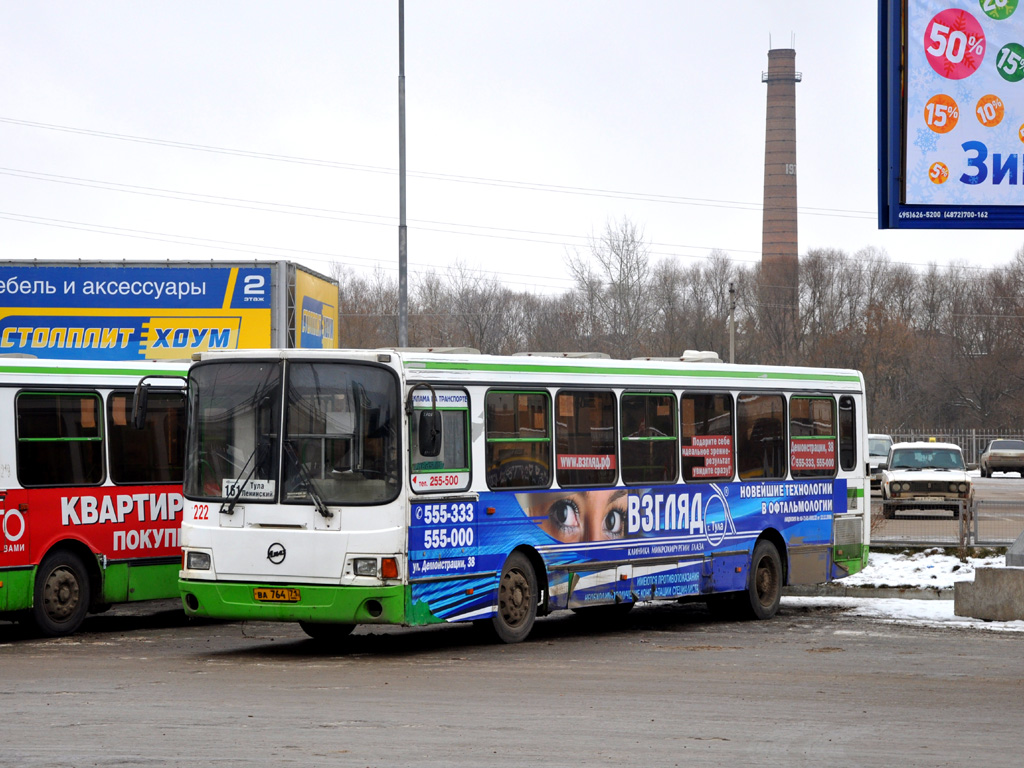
pixel 779 287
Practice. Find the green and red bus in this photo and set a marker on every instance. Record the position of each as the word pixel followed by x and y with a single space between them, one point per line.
pixel 90 502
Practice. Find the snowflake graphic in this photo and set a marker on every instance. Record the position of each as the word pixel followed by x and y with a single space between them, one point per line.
pixel 926 140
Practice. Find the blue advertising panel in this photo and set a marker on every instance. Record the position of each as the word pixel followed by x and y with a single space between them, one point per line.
pixel 317 330
pixel 127 313
pixel 600 545
pixel 951 114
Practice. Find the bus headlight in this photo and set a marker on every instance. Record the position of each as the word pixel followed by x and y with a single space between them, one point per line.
pixel 197 561
pixel 364 566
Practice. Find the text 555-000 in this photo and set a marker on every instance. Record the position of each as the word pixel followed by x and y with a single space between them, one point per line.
pixel 442 538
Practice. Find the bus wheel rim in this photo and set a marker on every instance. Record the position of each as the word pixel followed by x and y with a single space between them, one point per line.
pixel 513 598
pixel 765 581
pixel 60 594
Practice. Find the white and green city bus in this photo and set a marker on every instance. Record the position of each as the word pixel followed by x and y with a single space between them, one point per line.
pixel 90 502
pixel 349 487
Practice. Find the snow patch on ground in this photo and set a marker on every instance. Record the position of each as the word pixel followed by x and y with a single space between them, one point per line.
pixel 921 570
pixel 930 568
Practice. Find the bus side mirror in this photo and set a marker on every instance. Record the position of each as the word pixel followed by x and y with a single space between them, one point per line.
pixel 429 431
pixel 140 405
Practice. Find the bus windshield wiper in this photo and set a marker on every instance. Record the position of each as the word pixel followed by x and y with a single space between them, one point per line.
pixel 228 507
pixel 307 481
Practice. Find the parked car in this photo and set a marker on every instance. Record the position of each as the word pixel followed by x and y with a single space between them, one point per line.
pixel 878 451
pixel 923 475
pixel 1002 456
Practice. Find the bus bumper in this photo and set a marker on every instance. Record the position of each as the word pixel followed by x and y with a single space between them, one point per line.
pixel 333 605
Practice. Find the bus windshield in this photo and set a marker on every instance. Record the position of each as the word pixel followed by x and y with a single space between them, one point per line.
pixel 232 448
pixel 340 433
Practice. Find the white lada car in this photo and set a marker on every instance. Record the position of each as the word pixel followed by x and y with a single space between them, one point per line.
pixel 925 476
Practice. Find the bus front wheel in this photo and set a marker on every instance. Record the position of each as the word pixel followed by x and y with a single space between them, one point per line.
pixel 517 600
pixel 764 586
pixel 61 597
pixel 327 633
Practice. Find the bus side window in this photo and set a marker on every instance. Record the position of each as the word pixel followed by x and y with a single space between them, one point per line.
pixel 585 438
pixel 517 431
pixel 812 436
pixel 760 428
pixel 649 450
pixel 153 454
pixel 60 439
pixel 847 433
pixel 707 445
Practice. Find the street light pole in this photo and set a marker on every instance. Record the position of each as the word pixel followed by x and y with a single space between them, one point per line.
pixel 403 236
pixel 732 323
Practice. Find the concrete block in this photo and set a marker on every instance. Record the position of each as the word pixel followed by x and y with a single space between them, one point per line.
pixel 996 594
pixel 1015 554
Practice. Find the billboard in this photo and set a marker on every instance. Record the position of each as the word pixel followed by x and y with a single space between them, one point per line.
pixel 951 114
pixel 82 312
pixel 316 303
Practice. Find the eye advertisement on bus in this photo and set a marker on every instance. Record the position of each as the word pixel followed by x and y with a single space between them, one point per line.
pixel 951 118
pixel 132 313
pixel 585 535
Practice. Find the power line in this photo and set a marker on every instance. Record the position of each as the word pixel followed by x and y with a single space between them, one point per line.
pixel 509 234
pixel 327 213
pixel 436 176
pixel 254 249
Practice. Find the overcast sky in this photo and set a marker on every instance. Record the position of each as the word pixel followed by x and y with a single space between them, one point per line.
pixel 254 130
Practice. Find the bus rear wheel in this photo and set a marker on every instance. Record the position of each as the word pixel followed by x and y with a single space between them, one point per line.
pixel 61 597
pixel 517 600
pixel 764 584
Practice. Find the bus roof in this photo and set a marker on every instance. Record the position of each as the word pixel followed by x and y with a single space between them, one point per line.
pixel 422 365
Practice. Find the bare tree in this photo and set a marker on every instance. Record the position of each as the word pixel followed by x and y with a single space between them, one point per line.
pixel 367 309
pixel 937 347
pixel 617 278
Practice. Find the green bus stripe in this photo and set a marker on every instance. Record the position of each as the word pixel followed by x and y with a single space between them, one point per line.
pixel 437 365
pixel 518 439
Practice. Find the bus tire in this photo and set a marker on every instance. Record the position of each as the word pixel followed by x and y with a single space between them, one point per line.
pixel 62 593
pixel 764 583
pixel 327 633
pixel 517 600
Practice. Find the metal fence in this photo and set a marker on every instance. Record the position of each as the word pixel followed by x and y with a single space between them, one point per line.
pixel 988 524
pixel 971 441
